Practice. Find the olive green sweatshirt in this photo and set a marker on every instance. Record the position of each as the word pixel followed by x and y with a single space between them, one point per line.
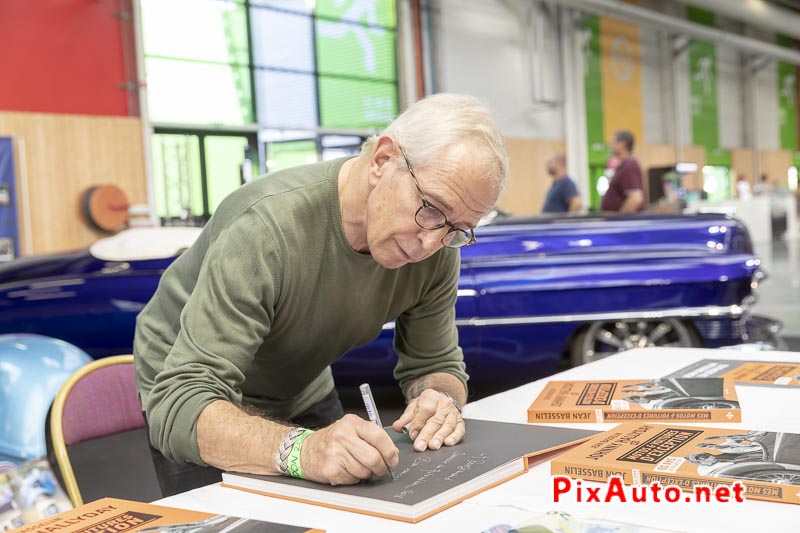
pixel 269 296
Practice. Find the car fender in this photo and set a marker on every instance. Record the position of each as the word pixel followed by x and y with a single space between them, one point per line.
pixel 32 370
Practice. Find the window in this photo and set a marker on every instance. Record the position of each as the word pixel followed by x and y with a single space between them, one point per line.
pixel 333 68
pixel 193 172
pixel 286 72
pixel 197 71
pixel 176 174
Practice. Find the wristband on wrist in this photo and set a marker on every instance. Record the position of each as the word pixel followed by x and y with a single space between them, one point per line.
pixel 285 449
pixel 294 456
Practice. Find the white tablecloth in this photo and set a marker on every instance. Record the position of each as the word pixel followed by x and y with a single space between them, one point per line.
pixel 773 409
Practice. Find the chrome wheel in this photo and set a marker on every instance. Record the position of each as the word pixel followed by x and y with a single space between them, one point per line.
pixel 707 404
pixel 783 477
pixel 602 339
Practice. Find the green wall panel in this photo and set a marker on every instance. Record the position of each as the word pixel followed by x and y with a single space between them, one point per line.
pixel 703 85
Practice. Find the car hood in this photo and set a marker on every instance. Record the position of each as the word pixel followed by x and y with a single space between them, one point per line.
pixel 520 238
pixel 45 266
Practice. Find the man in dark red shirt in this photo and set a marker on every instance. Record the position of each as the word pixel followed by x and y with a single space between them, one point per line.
pixel 626 190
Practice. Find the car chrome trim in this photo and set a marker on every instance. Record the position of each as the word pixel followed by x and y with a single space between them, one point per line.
pixel 678 312
pixel 50 296
pixel 56 283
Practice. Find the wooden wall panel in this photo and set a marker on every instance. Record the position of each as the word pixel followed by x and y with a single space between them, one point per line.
pixel 63 155
pixel 775 164
pixel 654 155
pixel 742 162
pixel 528 180
pixel 697 155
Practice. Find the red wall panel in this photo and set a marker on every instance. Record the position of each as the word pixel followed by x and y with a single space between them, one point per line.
pixel 62 56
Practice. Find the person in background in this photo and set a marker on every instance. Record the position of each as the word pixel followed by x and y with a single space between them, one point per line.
pixel 764 186
pixel 625 193
pixel 562 197
pixel 743 191
pixel 612 162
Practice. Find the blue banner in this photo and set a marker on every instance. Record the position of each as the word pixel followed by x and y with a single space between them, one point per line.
pixel 9 231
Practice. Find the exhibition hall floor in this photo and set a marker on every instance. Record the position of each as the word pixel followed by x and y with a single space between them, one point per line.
pixel 779 294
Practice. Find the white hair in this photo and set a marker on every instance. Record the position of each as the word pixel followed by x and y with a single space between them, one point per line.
pixel 431 125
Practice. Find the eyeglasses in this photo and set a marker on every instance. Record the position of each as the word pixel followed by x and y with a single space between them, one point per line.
pixel 429 217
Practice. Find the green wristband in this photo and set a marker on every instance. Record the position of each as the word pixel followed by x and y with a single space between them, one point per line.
pixel 293 462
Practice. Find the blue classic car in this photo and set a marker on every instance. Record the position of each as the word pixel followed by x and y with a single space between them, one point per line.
pixel 533 293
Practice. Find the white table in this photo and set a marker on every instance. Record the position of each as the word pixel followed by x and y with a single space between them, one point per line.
pixel 773 409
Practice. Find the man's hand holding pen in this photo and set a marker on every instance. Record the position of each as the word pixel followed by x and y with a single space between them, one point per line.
pixel 347 451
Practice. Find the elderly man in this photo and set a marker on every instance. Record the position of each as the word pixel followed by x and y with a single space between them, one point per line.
pixel 233 352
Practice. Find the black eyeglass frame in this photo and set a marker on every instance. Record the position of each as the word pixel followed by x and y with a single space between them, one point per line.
pixel 468 234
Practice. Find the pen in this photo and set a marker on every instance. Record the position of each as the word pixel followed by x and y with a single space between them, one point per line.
pixel 372 411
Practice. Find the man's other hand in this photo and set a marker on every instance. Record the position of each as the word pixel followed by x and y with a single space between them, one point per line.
pixel 432 420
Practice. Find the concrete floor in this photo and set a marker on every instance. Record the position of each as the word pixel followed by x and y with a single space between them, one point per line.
pixel 779 294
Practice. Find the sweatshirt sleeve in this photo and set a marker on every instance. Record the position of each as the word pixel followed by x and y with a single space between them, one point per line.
pixel 223 323
pixel 425 336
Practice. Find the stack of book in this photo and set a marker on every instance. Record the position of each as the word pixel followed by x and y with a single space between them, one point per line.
pixel 765 462
pixel 668 399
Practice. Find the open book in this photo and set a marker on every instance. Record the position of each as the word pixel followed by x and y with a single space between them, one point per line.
pixel 663 400
pixel 431 481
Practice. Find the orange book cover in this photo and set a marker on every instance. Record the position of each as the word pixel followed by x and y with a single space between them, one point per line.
pixel 664 400
pixel 112 514
pixel 427 482
pixel 761 373
pixel 767 463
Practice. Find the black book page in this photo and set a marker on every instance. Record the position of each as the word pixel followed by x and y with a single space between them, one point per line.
pixel 422 475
